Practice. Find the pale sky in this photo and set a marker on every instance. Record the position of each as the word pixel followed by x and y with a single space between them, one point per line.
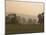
pixel 25 8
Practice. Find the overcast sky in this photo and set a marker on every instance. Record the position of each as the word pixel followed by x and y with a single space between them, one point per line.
pixel 25 8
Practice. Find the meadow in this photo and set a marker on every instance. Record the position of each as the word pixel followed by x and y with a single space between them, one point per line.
pixel 24 28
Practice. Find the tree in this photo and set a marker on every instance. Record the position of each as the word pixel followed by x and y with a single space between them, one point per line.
pixel 12 18
pixel 18 19
pixel 34 21
pixel 41 18
pixel 7 19
pixel 24 21
pixel 30 21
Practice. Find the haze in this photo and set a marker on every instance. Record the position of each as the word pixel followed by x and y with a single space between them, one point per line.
pixel 24 8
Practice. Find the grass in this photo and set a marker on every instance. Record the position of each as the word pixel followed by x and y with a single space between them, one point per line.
pixel 13 28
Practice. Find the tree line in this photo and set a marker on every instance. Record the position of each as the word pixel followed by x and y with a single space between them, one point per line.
pixel 13 19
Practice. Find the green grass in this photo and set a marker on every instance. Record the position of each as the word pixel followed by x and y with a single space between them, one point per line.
pixel 13 28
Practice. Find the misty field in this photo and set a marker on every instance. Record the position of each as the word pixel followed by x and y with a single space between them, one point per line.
pixel 22 28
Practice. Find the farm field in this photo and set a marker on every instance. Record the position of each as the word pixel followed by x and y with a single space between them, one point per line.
pixel 22 28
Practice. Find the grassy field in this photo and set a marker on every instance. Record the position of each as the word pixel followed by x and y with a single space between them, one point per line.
pixel 21 28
